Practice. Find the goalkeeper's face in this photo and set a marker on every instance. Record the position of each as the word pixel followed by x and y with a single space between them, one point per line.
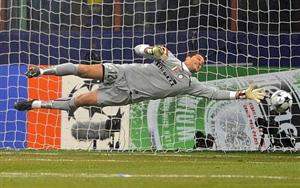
pixel 194 63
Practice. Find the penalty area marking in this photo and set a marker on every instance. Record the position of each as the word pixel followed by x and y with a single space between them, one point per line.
pixel 121 175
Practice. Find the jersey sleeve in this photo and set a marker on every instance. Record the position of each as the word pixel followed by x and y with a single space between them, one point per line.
pixel 198 88
pixel 140 50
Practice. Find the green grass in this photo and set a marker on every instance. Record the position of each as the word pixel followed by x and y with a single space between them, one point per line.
pixel 108 169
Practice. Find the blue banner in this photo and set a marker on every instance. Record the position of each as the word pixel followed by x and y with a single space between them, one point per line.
pixel 13 124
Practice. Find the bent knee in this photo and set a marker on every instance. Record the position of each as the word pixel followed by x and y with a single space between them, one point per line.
pixel 84 70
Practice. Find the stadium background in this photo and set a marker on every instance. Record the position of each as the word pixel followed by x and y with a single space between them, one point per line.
pixel 260 36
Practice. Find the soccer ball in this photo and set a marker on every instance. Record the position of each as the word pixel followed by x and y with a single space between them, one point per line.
pixel 281 101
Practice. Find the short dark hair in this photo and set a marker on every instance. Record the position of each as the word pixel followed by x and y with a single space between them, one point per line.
pixel 192 53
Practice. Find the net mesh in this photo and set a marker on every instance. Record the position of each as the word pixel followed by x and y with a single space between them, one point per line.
pixel 242 41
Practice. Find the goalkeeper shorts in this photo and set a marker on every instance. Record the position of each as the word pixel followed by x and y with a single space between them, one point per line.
pixel 114 90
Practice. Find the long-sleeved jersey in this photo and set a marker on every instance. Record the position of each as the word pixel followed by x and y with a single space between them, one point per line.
pixel 162 79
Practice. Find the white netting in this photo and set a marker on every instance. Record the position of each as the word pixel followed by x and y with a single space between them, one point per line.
pixel 240 39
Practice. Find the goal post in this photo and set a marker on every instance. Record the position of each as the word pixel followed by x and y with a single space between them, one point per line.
pixel 253 41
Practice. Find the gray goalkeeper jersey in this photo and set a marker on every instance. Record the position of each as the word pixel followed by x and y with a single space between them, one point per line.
pixel 164 79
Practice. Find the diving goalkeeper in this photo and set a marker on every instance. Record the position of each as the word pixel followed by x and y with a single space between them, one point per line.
pixel 124 84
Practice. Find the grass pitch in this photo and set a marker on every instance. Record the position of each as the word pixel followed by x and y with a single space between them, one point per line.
pixel 126 169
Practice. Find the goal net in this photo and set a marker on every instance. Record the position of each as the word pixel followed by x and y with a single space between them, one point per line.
pixel 244 42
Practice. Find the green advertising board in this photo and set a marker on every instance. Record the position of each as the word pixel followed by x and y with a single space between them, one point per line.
pixel 171 123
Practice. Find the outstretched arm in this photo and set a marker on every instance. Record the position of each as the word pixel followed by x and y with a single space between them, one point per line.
pixel 152 52
pixel 251 93
pixel 212 92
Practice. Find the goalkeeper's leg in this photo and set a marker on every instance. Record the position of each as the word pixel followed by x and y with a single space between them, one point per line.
pixel 70 103
pixel 83 71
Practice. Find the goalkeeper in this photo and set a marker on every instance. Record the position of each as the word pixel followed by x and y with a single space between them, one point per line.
pixel 130 83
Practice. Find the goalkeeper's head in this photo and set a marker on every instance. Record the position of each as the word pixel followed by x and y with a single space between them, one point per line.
pixel 194 61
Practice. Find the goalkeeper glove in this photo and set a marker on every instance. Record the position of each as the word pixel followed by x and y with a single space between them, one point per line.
pixel 158 52
pixel 252 93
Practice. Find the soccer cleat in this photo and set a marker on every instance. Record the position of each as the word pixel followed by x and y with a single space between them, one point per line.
pixel 33 72
pixel 24 105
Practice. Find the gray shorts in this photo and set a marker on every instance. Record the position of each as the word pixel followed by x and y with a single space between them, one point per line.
pixel 114 90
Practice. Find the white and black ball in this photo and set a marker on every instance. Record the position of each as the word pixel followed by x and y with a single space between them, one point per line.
pixel 281 101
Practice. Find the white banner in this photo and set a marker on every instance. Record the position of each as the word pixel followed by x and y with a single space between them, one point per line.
pixel 92 127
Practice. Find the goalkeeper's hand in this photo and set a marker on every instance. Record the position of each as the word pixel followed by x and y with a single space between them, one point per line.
pixel 158 52
pixel 253 93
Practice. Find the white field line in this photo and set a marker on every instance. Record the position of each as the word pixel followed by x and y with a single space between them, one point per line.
pixel 123 161
pixel 95 160
pixel 99 154
pixel 121 175
pixel 147 154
